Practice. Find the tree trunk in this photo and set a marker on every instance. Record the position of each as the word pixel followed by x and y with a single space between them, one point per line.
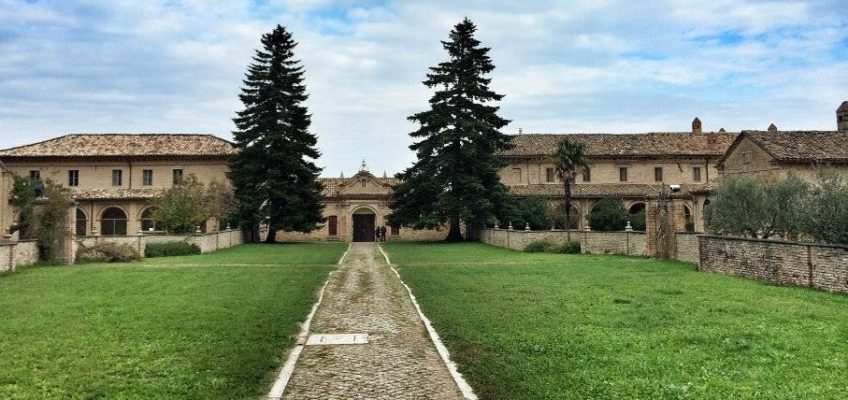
pixel 272 236
pixel 455 233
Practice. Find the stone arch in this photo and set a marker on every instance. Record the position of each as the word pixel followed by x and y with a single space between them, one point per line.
pixel 81 227
pixel 113 221
pixel 363 223
pixel 704 209
pixel 688 219
pixel 145 219
pixel 638 212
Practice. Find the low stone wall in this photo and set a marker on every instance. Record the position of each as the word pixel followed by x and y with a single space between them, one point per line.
pixel 207 242
pixel 14 254
pixel 786 263
pixel 687 248
pixel 628 243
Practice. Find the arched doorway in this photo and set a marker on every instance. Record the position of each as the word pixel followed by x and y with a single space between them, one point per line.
pixel 364 223
pixel 637 216
pixel 148 224
pixel 113 222
pixel 82 223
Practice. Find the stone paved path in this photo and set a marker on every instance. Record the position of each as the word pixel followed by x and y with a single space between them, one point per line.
pixel 400 362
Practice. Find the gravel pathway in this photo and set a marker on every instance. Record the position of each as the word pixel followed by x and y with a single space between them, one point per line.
pixel 399 362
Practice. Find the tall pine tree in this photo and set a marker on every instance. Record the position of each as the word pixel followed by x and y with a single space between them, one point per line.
pixel 274 174
pixel 455 179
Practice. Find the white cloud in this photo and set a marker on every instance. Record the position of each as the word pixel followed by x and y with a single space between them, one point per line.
pixel 579 65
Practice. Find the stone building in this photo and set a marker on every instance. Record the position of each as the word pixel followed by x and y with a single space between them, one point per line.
pixel 773 155
pixel 354 207
pixel 633 167
pixel 113 177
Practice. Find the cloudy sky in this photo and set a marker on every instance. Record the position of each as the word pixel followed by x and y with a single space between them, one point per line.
pixel 569 66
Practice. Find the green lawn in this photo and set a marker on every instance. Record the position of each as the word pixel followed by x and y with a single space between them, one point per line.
pixel 544 326
pixel 199 327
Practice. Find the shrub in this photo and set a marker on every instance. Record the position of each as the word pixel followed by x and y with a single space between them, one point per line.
pixel 169 249
pixel 637 221
pixel 608 215
pixel 108 252
pixel 571 247
pixel 826 216
pixel 524 210
pixel 546 246
pixel 747 207
pixel 538 246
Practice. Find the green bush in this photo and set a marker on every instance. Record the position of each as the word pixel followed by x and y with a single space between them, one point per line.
pixel 571 247
pixel 169 249
pixel 637 221
pixel 546 246
pixel 608 215
pixel 108 252
pixel 538 246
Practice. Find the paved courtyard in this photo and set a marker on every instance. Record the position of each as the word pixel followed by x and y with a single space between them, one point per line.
pixel 398 362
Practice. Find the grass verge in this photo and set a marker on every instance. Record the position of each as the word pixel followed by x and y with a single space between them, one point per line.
pixel 544 326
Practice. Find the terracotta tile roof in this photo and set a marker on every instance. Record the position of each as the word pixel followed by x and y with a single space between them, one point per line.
pixel 843 107
pixel 803 146
pixel 115 193
pixel 630 145
pixel 597 190
pixel 124 145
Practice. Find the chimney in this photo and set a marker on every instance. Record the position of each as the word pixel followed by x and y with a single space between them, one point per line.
pixel 772 128
pixel 842 117
pixel 722 130
pixel 520 131
pixel 696 126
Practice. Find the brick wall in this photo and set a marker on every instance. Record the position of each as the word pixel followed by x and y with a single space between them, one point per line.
pixel 14 254
pixel 630 243
pixel 687 248
pixel 207 242
pixel 786 263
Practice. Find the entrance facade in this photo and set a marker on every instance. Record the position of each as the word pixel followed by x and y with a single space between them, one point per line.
pixel 364 224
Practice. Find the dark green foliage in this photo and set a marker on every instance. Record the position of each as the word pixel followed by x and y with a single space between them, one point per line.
pixel 170 249
pixel 747 207
pixel 43 219
pixel 547 246
pixel 569 159
pixel 523 210
pixel 182 208
pixel 455 179
pixel 826 209
pixel 690 226
pixel 108 252
pixel 570 247
pixel 274 173
pixel 608 215
pixel 637 221
pixel 538 246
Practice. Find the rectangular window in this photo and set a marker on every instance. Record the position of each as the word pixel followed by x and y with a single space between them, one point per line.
pixel 178 177
pixel 587 175
pixel 658 174
pixel 333 225
pixel 696 174
pixel 516 175
pixel 622 174
pixel 550 175
pixel 34 175
pixel 117 177
pixel 147 177
pixel 73 178
pixel 747 157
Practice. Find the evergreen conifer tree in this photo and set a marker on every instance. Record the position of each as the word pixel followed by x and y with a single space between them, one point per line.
pixel 274 174
pixel 455 178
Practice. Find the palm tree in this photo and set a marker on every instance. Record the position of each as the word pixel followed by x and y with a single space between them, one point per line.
pixel 569 159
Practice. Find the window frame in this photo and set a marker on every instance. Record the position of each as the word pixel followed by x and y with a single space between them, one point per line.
pixel 696 174
pixel 587 174
pixel 622 174
pixel 178 176
pixel 658 174
pixel 550 175
pixel 117 177
pixel 147 177
pixel 73 178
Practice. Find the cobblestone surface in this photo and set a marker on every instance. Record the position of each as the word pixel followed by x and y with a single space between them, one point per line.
pixel 400 362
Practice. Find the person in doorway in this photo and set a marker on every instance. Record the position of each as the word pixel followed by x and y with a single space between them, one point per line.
pixel 377 234
pixel 383 233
